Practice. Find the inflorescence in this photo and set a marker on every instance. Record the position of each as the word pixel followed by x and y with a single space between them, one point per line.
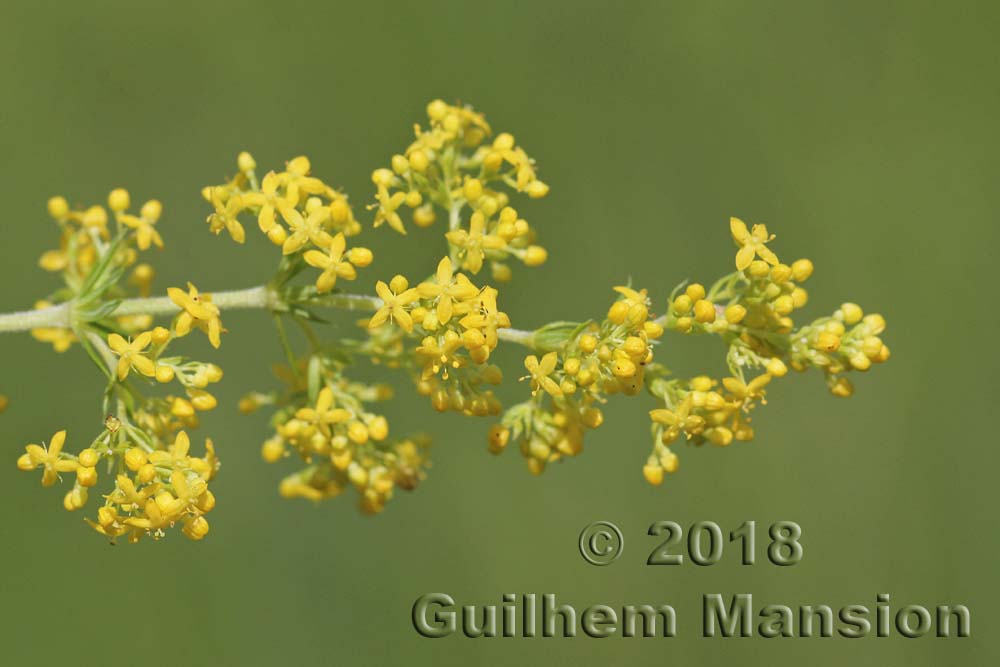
pixel 440 330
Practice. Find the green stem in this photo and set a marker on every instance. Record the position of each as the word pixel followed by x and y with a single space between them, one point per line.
pixel 61 316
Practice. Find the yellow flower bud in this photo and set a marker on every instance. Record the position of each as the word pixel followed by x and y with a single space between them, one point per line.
pixel 800 297
pixel 801 270
pixel 719 435
pixel 360 257
pixel 842 387
pixel 245 162
pixel 472 189
pixel 88 457
pixel 781 273
pixel 196 528
pixel 437 110
pixel 118 200
pixel 135 458
pixel 735 313
pixel 684 324
pixel 357 432
pixel 400 164
pixel 860 362
pixel 623 368
pixel 499 436
pixel 413 199
pixel 875 323
pixel 86 476
pixel 588 343
pixel 378 429
pixel 827 341
pixel 759 268
pixel 58 207
pixel 653 472
pixel 695 291
pixel 535 255
pixel 424 216
pixel 146 473
pixel 419 161
pixel 537 189
pixel 592 417
pixel 652 329
pixel 164 374
pixel 682 304
pixel 851 313
pixel 618 312
pixel 783 305
pixel 704 311
pixel 776 367
pixel 273 449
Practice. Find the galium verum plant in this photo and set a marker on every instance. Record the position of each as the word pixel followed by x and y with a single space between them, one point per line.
pixel 440 331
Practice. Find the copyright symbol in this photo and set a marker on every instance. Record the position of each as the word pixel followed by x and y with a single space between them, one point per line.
pixel 601 543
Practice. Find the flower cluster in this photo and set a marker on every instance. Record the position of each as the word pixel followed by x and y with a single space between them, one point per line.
pixel 323 418
pixel 442 332
pixel 587 362
pixel 98 262
pixel 454 166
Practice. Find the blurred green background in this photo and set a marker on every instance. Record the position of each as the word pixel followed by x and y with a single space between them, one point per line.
pixel 864 134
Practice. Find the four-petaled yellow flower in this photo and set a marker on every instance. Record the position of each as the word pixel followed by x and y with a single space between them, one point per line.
pixel 131 354
pixel 747 391
pixel 387 208
pixel 447 289
pixel 475 242
pixel 323 414
pixel 394 303
pixel 270 201
pixel 198 310
pixel 540 371
pixel 49 458
pixel 332 263
pixel 308 229
pixel 486 316
pixel 677 420
pixel 145 232
pixel 752 244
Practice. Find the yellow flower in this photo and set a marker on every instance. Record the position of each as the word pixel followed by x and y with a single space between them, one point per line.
pixel 270 201
pixel 332 264
pixel 387 208
pixel 198 310
pixel 145 232
pixel 131 354
pixel 752 244
pixel 309 229
pixel 176 455
pixel 486 317
pixel 447 289
pixel 540 371
pixel 49 458
pixel 677 420
pixel 323 414
pixel 474 242
pixel 440 354
pixel 227 208
pixel 394 302
pixel 747 391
